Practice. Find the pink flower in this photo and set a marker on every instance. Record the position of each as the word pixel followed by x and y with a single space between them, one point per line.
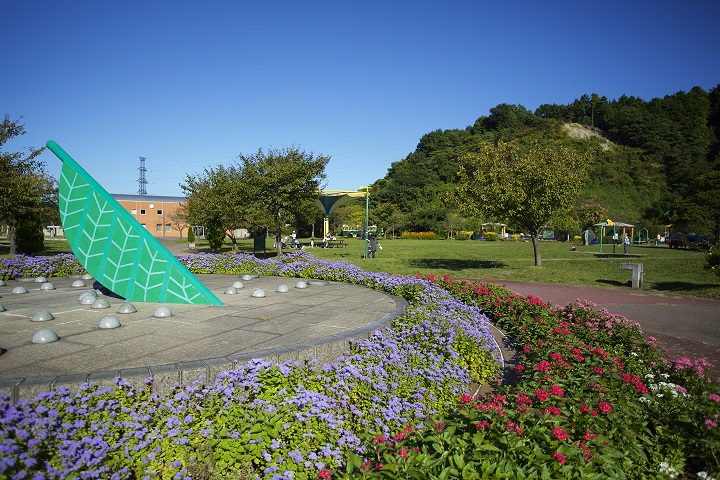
pixel 604 407
pixel 559 457
pixel 559 433
pixel 714 397
pixel 482 425
pixel 325 474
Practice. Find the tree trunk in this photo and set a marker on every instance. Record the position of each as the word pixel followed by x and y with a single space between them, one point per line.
pixel 11 238
pixel 536 248
pixel 278 242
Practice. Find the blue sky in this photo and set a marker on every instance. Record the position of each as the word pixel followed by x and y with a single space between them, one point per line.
pixel 191 84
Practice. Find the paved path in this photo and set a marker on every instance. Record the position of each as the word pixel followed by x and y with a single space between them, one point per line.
pixel 685 326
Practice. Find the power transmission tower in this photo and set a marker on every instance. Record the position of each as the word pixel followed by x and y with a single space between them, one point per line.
pixel 142 182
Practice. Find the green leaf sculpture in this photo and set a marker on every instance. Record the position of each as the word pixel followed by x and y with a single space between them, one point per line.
pixel 115 249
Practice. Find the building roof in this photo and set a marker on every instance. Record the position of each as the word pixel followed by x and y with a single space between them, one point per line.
pixel 147 198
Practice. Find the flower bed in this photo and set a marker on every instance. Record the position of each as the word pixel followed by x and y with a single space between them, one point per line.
pixel 594 400
pixel 262 420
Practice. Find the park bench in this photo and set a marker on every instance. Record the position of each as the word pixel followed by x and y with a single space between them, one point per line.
pixel 336 243
pixel 637 273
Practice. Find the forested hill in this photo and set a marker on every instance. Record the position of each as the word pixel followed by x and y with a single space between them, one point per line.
pixel 646 157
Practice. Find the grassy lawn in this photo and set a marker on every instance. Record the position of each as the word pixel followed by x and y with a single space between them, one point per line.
pixel 666 270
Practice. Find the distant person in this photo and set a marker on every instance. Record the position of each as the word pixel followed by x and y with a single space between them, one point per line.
pixel 626 242
pixel 373 246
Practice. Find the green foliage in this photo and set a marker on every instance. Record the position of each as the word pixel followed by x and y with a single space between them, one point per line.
pixel 527 184
pixel 191 235
pixel 24 185
pixel 491 236
pixel 215 235
pixel 712 263
pixel 420 236
pixel 462 235
pixel 29 233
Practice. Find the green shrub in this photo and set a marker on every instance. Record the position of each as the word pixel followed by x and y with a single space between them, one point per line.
pixel 491 236
pixel 419 235
pixel 29 236
pixel 515 237
pixel 463 235
pixel 191 235
pixel 712 261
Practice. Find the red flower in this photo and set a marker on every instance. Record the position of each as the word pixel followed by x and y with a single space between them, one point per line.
pixel 552 410
pixel 380 439
pixel 544 366
pixel 557 391
pixel 598 370
pixel 559 433
pixel 465 399
pixel 604 407
pixel 559 457
pixel 541 395
pixel 482 425
pixel 325 474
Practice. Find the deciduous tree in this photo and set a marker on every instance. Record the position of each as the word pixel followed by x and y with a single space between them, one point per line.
pixel 261 191
pixel 525 184
pixel 23 182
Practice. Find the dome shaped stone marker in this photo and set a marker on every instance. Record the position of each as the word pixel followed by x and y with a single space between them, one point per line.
pixel 108 321
pixel 301 285
pixel 162 312
pixel 318 282
pixel 47 286
pixel 87 276
pixel 45 336
pixel 238 284
pixel 2 307
pixel 100 303
pixel 78 283
pixel 43 316
pixel 88 298
pixel 258 293
pixel 283 289
pixel 19 290
pixel 127 307
pixel 2 283
pixel 248 276
pixel 230 291
pixel 40 280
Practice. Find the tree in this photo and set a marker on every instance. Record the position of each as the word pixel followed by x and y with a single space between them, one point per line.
pixel 178 218
pixel 280 186
pixel 23 181
pixel 700 212
pixel 527 185
pixel 212 201
pixel 261 191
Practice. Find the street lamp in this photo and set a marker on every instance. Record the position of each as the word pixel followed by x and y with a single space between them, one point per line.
pixel 367 215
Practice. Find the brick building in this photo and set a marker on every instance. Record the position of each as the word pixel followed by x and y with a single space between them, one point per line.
pixel 154 212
